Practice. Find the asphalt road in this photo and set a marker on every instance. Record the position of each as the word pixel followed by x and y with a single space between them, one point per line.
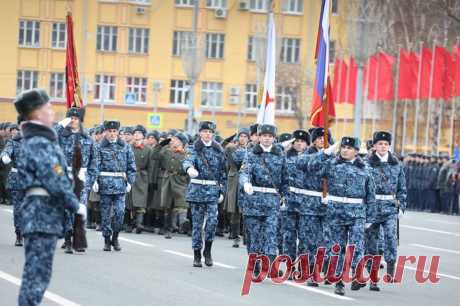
pixel 151 270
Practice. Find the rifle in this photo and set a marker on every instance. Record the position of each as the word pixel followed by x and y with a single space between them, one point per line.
pixel 79 233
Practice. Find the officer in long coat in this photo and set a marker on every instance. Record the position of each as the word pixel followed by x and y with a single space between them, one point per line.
pixel 47 192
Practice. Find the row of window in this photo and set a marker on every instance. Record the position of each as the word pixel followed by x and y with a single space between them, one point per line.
pixel 136 91
pixel 288 6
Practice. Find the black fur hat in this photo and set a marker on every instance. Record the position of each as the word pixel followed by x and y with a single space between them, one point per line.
pixel 253 129
pixel 28 101
pixel 140 128
pixel 267 129
pixel 207 125
pixel 351 142
pixel 381 135
pixel 76 112
pixel 302 135
pixel 111 124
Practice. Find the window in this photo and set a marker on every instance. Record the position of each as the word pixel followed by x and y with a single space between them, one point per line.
pixel 29 33
pixel 137 87
pixel 58 36
pixel 211 94
pixel 178 94
pixel 185 2
pixel 216 4
pixel 293 6
pixel 105 88
pixel 251 49
pixel 140 1
pixel 181 39
pixel 57 85
pixel 286 99
pixel 215 45
pixel 26 80
pixel 106 38
pixel 290 50
pixel 335 6
pixel 331 51
pixel 138 40
pixel 258 5
pixel 251 96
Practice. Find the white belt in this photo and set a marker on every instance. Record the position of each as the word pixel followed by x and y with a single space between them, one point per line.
pixel 37 191
pixel 264 189
pixel 203 182
pixel 117 174
pixel 14 170
pixel 385 197
pixel 306 192
pixel 345 200
pixel 70 169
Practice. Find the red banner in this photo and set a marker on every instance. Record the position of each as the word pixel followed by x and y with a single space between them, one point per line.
pixel 317 112
pixel 407 79
pixel 380 77
pixel 339 87
pixel 351 84
pixel 72 81
pixel 457 71
pixel 425 73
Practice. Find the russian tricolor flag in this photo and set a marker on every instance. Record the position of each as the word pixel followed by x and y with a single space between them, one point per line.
pixel 322 87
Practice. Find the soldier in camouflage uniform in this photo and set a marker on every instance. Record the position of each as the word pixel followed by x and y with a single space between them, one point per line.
pixel 73 139
pixel 264 179
pixel 174 184
pixel 9 156
pixel 116 174
pixel 351 191
pixel 390 201
pixel 205 164
pixel 47 192
pixel 94 213
pixel 4 169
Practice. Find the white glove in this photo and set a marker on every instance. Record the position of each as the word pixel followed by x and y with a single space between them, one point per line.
pixel 192 172
pixel 221 198
pixel 400 214
pixel 82 211
pixel 96 187
pixel 82 175
pixel 332 149
pixel 287 143
pixel 248 188
pixel 65 122
pixel 128 187
pixel 367 225
pixel 6 159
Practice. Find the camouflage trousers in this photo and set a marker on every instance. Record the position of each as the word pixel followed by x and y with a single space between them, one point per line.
pixel 200 211
pixel 307 230
pixel 261 234
pixel 389 236
pixel 112 213
pixel 349 234
pixel 39 252
pixel 16 202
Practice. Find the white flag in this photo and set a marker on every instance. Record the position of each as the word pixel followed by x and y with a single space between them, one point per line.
pixel 266 113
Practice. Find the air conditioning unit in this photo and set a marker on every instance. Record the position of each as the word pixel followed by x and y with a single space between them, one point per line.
pixel 234 91
pixel 244 5
pixel 234 100
pixel 220 13
pixel 140 10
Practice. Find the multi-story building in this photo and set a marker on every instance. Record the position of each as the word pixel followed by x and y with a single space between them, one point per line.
pixel 130 63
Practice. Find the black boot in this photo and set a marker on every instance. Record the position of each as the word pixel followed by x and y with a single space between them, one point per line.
pixel 207 253
pixel 107 244
pixel 139 221
pixel 68 244
pixel 90 220
pixel 168 234
pixel 197 258
pixel 355 286
pixel 391 270
pixel 236 242
pixel 339 288
pixel 115 243
pixel 374 287
pixel 18 242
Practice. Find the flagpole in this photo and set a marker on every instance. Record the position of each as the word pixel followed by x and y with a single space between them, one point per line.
pixel 395 108
pixel 366 99
pixel 347 94
pixel 430 91
pixel 376 83
pixel 452 120
pixel 417 101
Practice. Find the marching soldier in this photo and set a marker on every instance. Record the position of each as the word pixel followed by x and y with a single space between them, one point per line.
pixel 390 201
pixel 9 156
pixel 351 191
pixel 47 192
pixel 94 213
pixel 174 183
pixel 80 154
pixel 4 169
pixel 116 175
pixel 205 164
pixel 254 136
pixel 264 180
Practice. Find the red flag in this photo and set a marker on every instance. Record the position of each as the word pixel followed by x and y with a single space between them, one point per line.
pixel 457 71
pixel 339 87
pixel 380 77
pixel 426 73
pixel 407 79
pixel 449 76
pixel 439 73
pixel 317 114
pixel 72 81
pixel 351 84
